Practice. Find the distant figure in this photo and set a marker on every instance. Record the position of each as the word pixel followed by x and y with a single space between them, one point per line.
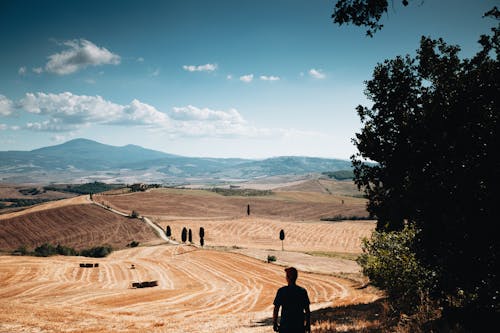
pixel 248 209
pixel 294 303
pixel 132 266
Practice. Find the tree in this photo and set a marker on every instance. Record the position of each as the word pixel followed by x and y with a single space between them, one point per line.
pixel 433 131
pixel 202 236
pixel 362 13
pixel 184 235
pixel 282 238
pixel 190 236
pixel 168 232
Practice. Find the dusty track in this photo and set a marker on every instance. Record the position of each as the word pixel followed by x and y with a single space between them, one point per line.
pixel 198 291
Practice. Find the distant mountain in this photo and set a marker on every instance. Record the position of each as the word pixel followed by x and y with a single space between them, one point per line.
pixel 82 159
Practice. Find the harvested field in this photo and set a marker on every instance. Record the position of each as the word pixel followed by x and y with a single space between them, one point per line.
pixel 264 233
pixel 30 191
pixel 198 291
pixel 83 199
pixel 225 287
pixel 75 225
pixel 289 206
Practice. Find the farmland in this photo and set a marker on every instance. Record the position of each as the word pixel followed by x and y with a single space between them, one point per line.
pixel 226 286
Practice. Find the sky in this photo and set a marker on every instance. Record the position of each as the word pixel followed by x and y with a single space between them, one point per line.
pixel 246 78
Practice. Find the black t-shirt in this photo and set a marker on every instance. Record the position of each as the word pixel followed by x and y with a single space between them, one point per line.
pixel 293 300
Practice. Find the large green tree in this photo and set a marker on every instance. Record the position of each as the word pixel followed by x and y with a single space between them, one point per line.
pixel 433 131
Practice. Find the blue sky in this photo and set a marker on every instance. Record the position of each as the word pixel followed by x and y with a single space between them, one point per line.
pixel 242 78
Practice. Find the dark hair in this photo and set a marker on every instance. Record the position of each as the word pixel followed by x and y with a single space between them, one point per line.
pixel 291 273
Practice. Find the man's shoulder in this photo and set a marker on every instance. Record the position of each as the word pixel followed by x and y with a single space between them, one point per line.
pixel 302 289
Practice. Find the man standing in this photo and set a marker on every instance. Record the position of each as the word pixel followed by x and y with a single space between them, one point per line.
pixel 294 303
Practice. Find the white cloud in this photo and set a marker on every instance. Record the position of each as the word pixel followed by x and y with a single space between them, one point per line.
pixel 269 78
pixel 316 73
pixel 68 112
pixel 3 127
pixel 22 71
pixel 80 54
pixel 37 70
pixel 6 106
pixel 200 68
pixel 246 78
pixel 140 59
pixel 192 113
pixel 229 77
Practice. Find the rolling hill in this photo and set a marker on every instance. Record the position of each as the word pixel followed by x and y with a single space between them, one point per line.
pixel 86 160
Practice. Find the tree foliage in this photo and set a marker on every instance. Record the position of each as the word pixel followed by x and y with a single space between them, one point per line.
pixel 433 130
pixel 361 13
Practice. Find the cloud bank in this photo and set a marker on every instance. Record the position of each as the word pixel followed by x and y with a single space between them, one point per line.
pixel 80 54
pixel 67 112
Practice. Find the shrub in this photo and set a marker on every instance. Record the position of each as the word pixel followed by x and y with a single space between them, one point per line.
pixel 388 259
pixel 133 244
pixel 45 250
pixel 134 214
pixel 97 252
pixel 271 258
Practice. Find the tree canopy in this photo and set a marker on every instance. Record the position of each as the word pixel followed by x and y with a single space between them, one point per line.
pixel 433 130
pixel 361 13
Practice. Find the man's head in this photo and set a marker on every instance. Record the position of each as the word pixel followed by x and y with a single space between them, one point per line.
pixel 291 275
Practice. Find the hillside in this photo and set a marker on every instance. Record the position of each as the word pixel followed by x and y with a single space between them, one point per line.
pixel 83 160
pixel 78 226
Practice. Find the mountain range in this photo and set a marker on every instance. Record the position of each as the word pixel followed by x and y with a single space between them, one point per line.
pixel 81 160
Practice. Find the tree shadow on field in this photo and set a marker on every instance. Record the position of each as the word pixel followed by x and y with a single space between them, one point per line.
pixel 355 318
